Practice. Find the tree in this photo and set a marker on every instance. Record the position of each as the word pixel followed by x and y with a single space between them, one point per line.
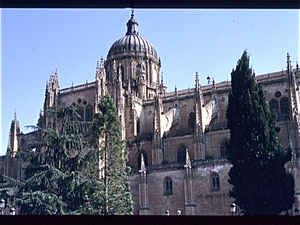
pixel 112 158
pixel 261 185
pixel 57 183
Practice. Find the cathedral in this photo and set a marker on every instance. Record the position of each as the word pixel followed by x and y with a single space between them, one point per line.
pixel 176 140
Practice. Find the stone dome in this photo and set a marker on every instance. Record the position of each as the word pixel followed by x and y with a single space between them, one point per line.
pixel 132 43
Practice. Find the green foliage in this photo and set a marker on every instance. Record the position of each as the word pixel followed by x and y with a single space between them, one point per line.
pixel 261 185
pixel 57 183
pixel 112 155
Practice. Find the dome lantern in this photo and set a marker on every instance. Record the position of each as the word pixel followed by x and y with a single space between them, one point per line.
pixel 132 44
pixel 132 25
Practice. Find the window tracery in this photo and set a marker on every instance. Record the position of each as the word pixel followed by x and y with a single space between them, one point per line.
pixel 168 186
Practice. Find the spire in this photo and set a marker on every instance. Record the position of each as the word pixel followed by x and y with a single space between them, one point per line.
pixel 15 116
pixel 132 25
pixel 97 67
pixel 100 71
pixel 101 63
pixel 289 64
pixel 176 91
pixel 197 81
pixel 14 132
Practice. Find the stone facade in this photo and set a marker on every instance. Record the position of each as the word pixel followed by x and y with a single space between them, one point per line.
pixel 176 141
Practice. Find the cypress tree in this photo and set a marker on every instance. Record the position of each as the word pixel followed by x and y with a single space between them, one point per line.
pixel 112 158
pixel 261 185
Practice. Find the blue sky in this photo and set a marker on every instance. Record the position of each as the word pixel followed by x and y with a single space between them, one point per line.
pixel 35 41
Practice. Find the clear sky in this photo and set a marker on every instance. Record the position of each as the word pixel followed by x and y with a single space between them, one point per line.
pixel 35 41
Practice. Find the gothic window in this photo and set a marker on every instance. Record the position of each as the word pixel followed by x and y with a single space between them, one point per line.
pixel 80 112
pixel 181 154
pixel 223 148
pixel 215 182
pixel 168 186
pixel 89 113
pixel 273 104
pixel 284 105
pixel 145 159
pixel 49 126
pixel 192 120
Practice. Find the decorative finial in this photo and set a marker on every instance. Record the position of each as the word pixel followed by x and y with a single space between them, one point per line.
pixel 98 65
pixel 208 80
pixel 15 115
pixel 101 62
pixel 289 65
pixel 197 81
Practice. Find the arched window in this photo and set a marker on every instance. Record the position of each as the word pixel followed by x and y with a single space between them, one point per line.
pixel 139 159
pixel 215 182
pixel 223 148
pixel 80 112
pixel 192 120
pixel 168 186
pixel 284 105
pixel 181 154
pixel 89 113
pixel 49 126
pixel 273 104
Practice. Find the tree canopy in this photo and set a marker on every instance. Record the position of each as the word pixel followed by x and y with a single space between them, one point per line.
pixel 261 185
pixel 78 167
pixel 56 183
